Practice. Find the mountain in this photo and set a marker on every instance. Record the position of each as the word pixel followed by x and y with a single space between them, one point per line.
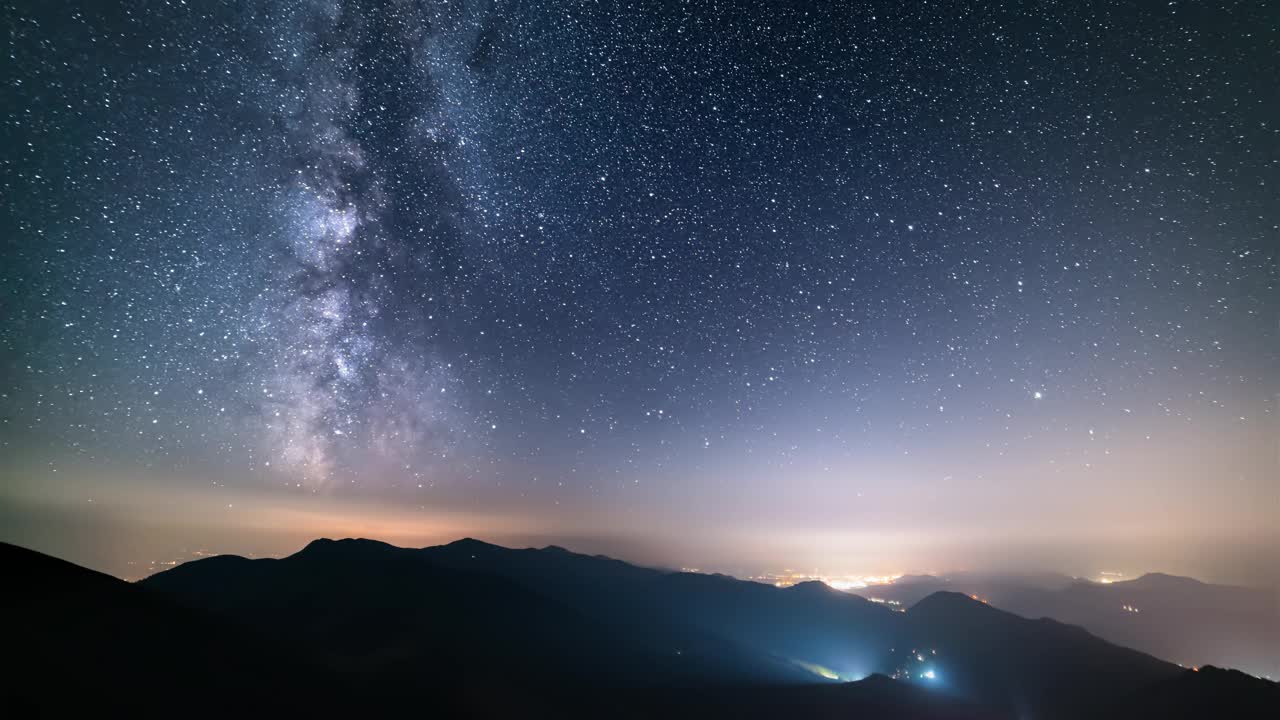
pixel 1172 617
pixel 843 634
pixel 1208 692
pixel 471 629
pixel 876 696
pixel 371 608
pixel 1038 666
pixel 744 632
pixel 76 638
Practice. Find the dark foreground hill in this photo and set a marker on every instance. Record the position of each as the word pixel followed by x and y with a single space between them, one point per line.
pixel 77 640
pixel 476 630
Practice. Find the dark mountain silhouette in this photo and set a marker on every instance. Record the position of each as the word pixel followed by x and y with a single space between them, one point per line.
pixel 876 696
pixel 378 608
pixel 1038 666
pixel 477 630
pixel 1172 617
pixel 1209 692
pixel 76 638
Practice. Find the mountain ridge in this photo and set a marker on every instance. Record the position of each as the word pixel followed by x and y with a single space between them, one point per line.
pixel 573 635
pixel 1177 618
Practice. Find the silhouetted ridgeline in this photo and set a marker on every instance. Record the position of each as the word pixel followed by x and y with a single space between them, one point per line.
pixel 1174 618
pixel 475 630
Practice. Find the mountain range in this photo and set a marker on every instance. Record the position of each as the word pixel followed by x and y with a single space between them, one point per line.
pixel 1176 618
pixel 471 629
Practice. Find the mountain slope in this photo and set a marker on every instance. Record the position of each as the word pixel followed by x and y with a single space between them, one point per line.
pixel 476 630
pixel 79 638
pixel 982 654
pixel 370 607
pixel 1024 665
pixel 1207 693
pixel 1171 617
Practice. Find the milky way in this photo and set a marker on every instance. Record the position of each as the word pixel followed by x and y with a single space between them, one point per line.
pixel 345 378
pixel 836 268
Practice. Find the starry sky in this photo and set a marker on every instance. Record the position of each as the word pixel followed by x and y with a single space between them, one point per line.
pixel 863 287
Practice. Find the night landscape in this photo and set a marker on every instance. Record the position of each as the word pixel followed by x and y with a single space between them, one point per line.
pixel 652 359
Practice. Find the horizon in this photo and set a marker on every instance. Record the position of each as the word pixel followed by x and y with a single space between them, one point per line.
pixel 843 580
pixel 784 578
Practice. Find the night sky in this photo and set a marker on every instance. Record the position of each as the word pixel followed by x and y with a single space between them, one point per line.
pixel 860 287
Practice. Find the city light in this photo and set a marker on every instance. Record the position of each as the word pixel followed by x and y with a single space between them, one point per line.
pixel 838 582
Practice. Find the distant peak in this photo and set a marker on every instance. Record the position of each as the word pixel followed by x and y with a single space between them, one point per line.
pixel 905 579
pixel 470 543
pixel 1166 578
pixel 945 600
pixel 327 545
pixel 556 549
pixel 811 586
pixel 877 680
